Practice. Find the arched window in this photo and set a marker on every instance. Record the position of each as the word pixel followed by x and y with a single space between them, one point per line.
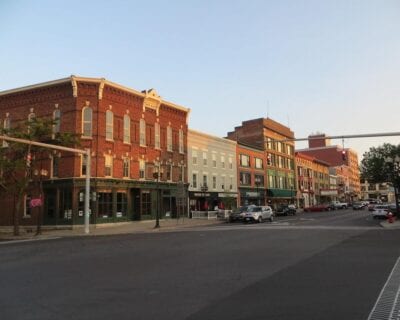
pixel 87 122
pixel 169 138
pixel 109 125
pixel 57 121
pixel 6 128
pixel 142 130
pixel 127 129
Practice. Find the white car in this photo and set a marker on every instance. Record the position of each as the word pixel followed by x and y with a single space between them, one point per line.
pixel 259 214
pixel 380 211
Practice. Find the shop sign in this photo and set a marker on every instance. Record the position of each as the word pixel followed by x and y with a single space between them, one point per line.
pixel 332 192
pixel 252 194
pixel 201 194
pixel 227 195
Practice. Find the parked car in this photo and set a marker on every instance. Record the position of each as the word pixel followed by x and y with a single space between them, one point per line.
pixel 318 208
pixel 238 213
pixel 358 206
pixel 286 210
pixel 259 214
pixel 339 205
pixel 380 211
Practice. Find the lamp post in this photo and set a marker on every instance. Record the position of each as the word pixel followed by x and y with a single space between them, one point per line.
pixel 157 175
pixel 394 176
pixel 40 174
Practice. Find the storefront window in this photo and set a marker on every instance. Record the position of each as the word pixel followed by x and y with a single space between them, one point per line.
pixel 122 204
pixel 105 205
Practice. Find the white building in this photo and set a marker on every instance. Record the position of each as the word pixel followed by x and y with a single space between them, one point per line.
pixel 212 171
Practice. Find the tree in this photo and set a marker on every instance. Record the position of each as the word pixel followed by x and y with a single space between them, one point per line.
pixel 18 161
pixel 379 165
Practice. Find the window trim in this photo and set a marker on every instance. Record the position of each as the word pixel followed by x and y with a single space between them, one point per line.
pixel 84 109
pixel 127 129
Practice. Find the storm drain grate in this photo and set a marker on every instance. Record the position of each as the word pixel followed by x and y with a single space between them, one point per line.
pixel 387 307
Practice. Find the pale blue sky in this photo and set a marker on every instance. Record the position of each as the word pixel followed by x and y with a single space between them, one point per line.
pixel 327 66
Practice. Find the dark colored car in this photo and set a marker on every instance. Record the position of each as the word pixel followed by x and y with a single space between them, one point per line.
pixel 358 206
pixel 238 213
pixel 318 208
pixel 285 210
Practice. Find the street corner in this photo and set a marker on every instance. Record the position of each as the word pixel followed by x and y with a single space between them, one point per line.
pixel 390 225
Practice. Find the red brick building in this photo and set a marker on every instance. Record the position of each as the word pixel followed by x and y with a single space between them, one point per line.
pixel 337 156
pixel 131 135
pixel 251 166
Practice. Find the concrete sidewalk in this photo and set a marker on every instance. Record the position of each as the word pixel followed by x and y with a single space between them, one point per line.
pixel 114 229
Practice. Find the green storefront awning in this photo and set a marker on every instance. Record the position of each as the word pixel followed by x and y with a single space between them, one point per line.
pixel 281 193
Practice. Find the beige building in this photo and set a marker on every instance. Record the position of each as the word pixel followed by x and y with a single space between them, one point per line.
pixel 212 172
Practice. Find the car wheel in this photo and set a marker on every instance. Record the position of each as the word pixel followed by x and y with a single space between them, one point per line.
pixel 271 218
pixel 260 220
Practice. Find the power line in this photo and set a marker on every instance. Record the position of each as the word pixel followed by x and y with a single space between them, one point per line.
pixel 350 136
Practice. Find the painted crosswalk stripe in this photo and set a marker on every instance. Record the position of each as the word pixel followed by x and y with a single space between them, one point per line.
pixel 387 306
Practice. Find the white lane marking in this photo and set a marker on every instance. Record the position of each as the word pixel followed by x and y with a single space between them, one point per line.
pixel 27 240
pixel 388 303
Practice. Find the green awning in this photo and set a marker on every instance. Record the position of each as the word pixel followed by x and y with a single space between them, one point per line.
pixel 281 193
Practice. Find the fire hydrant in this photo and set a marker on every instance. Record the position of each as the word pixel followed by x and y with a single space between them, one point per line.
pixel 390 217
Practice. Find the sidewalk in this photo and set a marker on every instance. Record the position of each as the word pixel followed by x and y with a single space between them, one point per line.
pixel 114 229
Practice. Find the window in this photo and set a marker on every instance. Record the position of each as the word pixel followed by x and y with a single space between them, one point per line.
pixel 214 182
pixel 127 129
pixel 279 145
pixel 83 165
pixel 142 132
pixel 169 138
pixel 109 125
pixel 269 144
pixel 6 127
pixel 194 180
pixel 108 167
pixel 205 178
pixel 27 206
pixel 141 168
pixel 214 160
pixel 259 181
pixel 126 168
pixel 245 178
pixel 244 160
pixel 259 163
pixel 87 122
pixel 122 204
pixel 181 150
pixel 194 156
pixel 222 162
pixel 157 136
pixel 223 183
pixel 230 163
pixel 182 173
pixel 55 165
pixel 230 183
pixel 169 172
pixel 57 121
pixel 204 158
pixel 105 205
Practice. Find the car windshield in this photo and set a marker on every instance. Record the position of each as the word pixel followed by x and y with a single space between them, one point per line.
pixel 255 209
pixel 357 204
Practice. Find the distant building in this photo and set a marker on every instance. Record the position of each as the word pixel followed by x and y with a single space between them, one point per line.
pixel 337 156
pixel 381 191
pixel 212 172
pixel 266 134
pixel 313 181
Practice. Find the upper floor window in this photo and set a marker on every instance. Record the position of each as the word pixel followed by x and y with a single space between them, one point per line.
pixel 204 158
pixel 142 132
pixel 87 115
pixel 142 166
pixel 214 160
pixel 223 162
pixel 55 160
pixel 127 129
pixel 194 180
pixel 57 121
pixel 157 136
pixel 109 125
pixel 245 178
pixel 83 165
pixel 6 127
pixel 181 149
pixel 258 163
pixel 169 138
pixel 108 167
pixel 230 163
pixel 244 160
pixel 214 182
pixel 126 168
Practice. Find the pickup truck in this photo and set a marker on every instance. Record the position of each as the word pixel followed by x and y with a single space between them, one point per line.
pixel 338 205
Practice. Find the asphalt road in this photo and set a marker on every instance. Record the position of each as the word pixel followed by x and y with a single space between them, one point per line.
pixel 329 265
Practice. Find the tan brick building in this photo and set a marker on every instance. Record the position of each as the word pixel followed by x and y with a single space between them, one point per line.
pixel 132 135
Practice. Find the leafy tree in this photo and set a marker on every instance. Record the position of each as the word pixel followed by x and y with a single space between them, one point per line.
pixel 18 161
pixel 378 166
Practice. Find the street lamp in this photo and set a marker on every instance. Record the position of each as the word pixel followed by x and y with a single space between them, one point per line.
pixel 394 176
pixel 40 174
pixel 157 175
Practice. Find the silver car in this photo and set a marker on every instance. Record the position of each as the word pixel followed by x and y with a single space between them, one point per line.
pixel 259 214
pixel 380 211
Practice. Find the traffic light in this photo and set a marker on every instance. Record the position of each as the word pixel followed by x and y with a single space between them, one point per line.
pixel 344 155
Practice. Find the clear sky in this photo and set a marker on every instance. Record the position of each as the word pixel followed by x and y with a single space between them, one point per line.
pixel 319 66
